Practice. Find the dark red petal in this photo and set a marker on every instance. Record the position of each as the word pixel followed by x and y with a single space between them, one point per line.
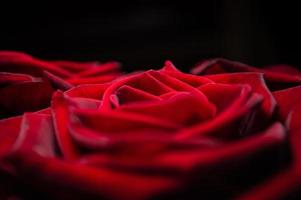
pixel 13 54
pixel 61 118
pixel 24 97
pixel 93 91
pixel 220 65
pixel 79 181
pixel 287 99
pixel 149 84
pixel 256 81
pixel 74 66
pixel 290 111
pixel 183 109
pixel 181 86
pixel 284 69
pixel 274 78
pixel 221 95
pixel 294 126
pixel 22 63
pixel 100 69
pixel 134 140
pixel 128 94
pixel 198 160
pixel 57 82
pixel 190 79
pixel 7 78
pixel 228 157
pixel 226 124
pixel 142 81
pixel 119 121
pixel 94 79
pixel 9 131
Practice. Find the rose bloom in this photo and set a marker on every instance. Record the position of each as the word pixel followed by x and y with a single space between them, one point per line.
pixel 224 131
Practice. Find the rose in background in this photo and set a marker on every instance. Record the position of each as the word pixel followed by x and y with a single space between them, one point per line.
pixel 228 131
pixel 27 83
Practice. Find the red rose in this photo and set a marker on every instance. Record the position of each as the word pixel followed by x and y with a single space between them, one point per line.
pixel 27 83
pixel 165 134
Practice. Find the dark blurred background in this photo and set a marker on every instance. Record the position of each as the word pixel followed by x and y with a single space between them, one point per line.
pixel 142 34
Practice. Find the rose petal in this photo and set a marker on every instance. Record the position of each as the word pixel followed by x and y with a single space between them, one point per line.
pixel 284 69
pixel 95 80
pixel 119 121
pixel 142 81
pixel 127 94
pixel 57 82
pixel 22 63
pixel 226 124
pixel 74 66
pixel 101 69
pixel 185 113
pixel 134 140
pixel 275 80
pixel 9 131
pixel 190 79
pixel 61 117
pixel 7 78
pixel 36 134
pixel 78 181
pixel 181 86
pixel 82 102
pixel 256 81
pixel 93 91
pixel 221 95
pixel 289 111
pixel 24 97
pixel 287 99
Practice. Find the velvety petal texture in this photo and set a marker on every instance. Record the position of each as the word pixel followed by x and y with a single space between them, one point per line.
pixel 84 131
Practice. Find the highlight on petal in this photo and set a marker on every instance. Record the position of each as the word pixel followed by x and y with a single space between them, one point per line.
pixel 36 134
pixel 7 78
pixel 61 117
pixel 57 82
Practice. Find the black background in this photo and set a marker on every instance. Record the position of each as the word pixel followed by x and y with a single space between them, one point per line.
pixel 142 34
